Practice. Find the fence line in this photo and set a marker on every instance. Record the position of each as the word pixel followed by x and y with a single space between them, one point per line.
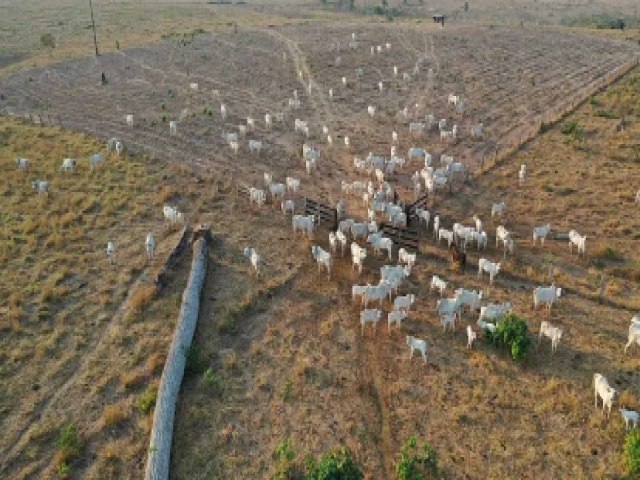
pixel 161 437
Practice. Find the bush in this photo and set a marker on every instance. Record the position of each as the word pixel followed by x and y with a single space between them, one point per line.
pixel 285 455
pixel 573 129
pixel 338 465
pixel 512 333
pixel 146 402
pixel 195 363
pixel 632 452
pixel 609 253
pixel 417 464
pixel 605 114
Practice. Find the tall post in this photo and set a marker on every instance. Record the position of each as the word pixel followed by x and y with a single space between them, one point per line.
pixel 93 25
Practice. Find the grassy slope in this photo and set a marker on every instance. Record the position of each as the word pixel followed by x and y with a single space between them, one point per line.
pixel 60 300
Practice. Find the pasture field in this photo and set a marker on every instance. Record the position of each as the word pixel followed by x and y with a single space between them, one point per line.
pixel 80 339
pixel 82 342
pixel 291 361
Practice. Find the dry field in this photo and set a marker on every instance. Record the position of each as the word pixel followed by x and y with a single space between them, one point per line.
pixel 80 339
pixel 281 356
pixel 291 361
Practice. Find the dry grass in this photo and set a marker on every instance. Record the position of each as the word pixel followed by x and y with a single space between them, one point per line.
pixel 63 329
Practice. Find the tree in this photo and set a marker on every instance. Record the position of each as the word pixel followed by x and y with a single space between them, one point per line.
pixel 385 4
pixel 338 465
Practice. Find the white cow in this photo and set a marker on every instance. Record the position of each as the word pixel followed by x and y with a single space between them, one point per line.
pixel 257 196
pixel 448 319
pixel 503 235
pixel 453 99
pixel 404 302
pixel 150 245
pixel 419 345
pixel 173 127
pixel 129 120
pixel 396 316
pixel 371 110
pixel 491 268
pixel 603 390
pixel 546 295
pixel 172 214
pixel 342 240
pixel 223 111
pixel 293 184
pixel 111 253
pixel 254 258
pixel 579 241
pixel 370 316
pixel 304 223
pixel 68 165
pixel 443 233
pixel 255 146
pixel 23 164
pixel 629 417
pixel 438 283
pixel 358 254
pixel 95 160
pixel 405 257
pixel 554 333
pixel 322 257
pixel 634 333
pixel 541 233
pixel 287 206
pixel 469 298
pixel 471 336
pixel 380 243
pixel 498 209
pixel 476 130
pixel 522 174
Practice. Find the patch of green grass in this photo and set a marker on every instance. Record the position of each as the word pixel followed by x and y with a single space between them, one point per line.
pixel 417 463
pixel 69 448
pixel 146 402
pixel 605 114
pixel 212 381
pixel 511 334
pixel 632 453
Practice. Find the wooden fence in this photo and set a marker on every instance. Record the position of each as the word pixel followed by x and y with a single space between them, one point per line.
pixel 403 237
pixel 322 212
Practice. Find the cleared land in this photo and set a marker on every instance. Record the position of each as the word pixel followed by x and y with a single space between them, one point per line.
pixel 292 363
pixel 285 350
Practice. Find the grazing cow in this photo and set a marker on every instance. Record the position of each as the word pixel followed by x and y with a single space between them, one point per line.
pixel 68 165
pixel 603 390
pixel 173 127
pixel 322 257
pixel 546 295
pixel 629 417
pixel 491 268
pixel 254 258
pixel 498 209
pixel 438 283
pixel 471 336
pixel 541 233
pixel 129 120
pixel 23 164
pixel 287 206
pixel 419 345
pixel 40 186
pixel 396 316
pixel 370 316
pixel 111 253
pixel 579 241
pixel 634 333
pixel 150 245
pixel 95 160
pixel 554 333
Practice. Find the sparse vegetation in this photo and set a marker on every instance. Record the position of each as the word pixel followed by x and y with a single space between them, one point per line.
pixel 212 381
pixel 337 465
pixel 146 401
pixel 632 452
pixel 286 465
pixel 417 463
pixel 69 448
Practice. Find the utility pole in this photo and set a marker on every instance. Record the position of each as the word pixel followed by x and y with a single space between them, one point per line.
pixel 93 24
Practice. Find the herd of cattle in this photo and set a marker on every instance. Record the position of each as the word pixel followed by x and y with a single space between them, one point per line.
pixel 380 200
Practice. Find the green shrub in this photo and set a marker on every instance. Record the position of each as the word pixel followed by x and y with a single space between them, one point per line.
pixel 337 465
pixel 511 333
pixel 212 381
pixel 146 402
pixel 609 253
pixel 195 362
pixel 69 448
pixel 573 129
pixel 285 455
pixel 632 452
pixel 417 463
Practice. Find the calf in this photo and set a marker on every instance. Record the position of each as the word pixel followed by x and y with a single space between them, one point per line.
pixel 629 417
pixel 554 333
pixel 370 316
pixel 419 345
